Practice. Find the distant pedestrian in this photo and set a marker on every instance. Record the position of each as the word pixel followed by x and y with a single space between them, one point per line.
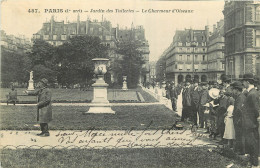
pixel 174 96
pixel 249 119
pixel 186 101
pixel 12 96
pixel 204 99
pixel 195 99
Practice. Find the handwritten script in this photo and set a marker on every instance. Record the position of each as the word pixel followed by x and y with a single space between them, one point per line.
pixel 107 138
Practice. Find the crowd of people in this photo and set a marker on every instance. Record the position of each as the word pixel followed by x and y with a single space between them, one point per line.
pixel 229 110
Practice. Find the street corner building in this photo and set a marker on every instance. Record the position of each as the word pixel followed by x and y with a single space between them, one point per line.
pixel 242 38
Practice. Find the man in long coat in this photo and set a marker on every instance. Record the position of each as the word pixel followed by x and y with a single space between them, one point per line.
pixel 237 116
pixel 195 99
pixel 220 112
pixel 249 119
pixel 204 98
pixel 186 101
pixel 44 107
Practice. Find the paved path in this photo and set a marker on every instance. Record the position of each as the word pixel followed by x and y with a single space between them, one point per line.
pixel 88 104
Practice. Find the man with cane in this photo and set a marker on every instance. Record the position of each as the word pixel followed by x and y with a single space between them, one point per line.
pixel 44 107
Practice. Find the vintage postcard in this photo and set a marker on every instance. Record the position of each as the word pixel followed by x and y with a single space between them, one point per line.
pixel 120 83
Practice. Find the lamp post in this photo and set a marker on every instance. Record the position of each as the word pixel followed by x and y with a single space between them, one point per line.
pixel 193 45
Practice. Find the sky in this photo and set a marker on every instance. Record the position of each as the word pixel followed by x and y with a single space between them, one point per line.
pixel 159 27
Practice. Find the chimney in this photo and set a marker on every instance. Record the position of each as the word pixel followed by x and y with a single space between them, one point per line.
pixel 52 21
pixel 207 32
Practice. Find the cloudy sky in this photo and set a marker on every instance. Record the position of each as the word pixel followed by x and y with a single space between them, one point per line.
pixel 159 27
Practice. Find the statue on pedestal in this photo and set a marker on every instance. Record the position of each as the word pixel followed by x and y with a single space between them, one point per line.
pixel 124 83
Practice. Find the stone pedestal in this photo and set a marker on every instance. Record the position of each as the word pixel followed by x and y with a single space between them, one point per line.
pixel 124 83
pixel 100 103
pixel 30 84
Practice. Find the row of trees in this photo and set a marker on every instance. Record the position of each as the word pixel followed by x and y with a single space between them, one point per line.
pixel 70 63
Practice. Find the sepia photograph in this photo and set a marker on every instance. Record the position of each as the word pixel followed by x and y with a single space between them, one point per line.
pixel 130 83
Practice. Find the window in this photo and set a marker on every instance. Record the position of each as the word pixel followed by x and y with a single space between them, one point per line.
pixel 91 30
pixel 180 67
pixel 257 38
pixel 54 37
pixel 203 58
pixel 63 37
pixel 176 66
pixel 203 49
pixel 108 37
pixel 46 37
pixel 188 57
pixel 180 49
pixel 188 49
pixel 180 57
pixel 258 14
pixel 188 66
pixel 196 57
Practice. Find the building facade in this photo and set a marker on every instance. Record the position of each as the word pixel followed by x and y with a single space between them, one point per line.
pixel 216 59
pixel 186 57
pixel 12 43
pixel 136 35
pixel 242 38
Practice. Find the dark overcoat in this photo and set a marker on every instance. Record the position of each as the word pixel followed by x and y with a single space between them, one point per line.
pixel 44 105
pixel 252 110
pixel 186 97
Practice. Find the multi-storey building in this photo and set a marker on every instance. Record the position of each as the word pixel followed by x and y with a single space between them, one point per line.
pixel 56 33
pixel 216 60
pixel 137 35
pixel 242 38
pixel 186 58
pixel 12 43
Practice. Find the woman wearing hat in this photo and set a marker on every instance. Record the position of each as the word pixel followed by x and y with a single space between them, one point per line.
pixel 44 108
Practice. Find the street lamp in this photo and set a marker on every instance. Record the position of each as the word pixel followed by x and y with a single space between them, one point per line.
pixel 193 45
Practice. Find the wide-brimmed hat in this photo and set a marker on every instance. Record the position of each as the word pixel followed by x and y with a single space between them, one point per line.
pixel 237 85
pixel 214 93
pixel 226 79
pixel 203 83
pixel 44 81
pixel 195 81
pixel 248 76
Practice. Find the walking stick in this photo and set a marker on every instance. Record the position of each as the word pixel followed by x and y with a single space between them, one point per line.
pixel 37 113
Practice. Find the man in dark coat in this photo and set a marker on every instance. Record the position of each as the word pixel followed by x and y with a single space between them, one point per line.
pixel 44 114
pixel 12 96
pixel 226 83
pixel 237 116
pixel 195 99
pixel 249 119
pixel 174 96
pixel 186 101
pixel 204 98
pixel 220 112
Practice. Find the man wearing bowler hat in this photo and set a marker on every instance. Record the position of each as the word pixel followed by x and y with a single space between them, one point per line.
pixel 237 88
pixel 249 119
pixel 44 113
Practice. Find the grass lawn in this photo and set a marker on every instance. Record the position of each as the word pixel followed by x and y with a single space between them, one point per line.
pixel 75 95
pixel 198 157
pixel 71 118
